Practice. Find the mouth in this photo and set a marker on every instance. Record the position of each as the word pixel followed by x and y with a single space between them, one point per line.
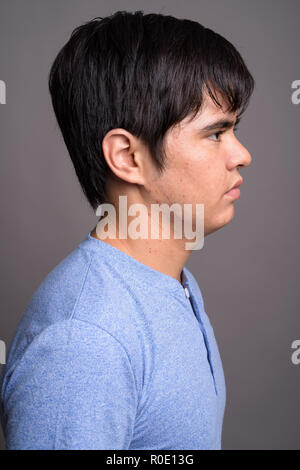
pixel 235 192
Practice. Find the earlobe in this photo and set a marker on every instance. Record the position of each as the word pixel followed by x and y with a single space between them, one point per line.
pixel 120 150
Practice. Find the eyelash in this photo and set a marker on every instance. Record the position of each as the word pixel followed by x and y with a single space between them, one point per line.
pixel 222 132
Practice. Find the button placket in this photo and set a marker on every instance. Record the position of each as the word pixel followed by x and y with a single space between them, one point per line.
pixel 187 293
pixel 194 309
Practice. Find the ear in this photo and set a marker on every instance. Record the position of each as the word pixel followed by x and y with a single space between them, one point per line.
pixel 124 155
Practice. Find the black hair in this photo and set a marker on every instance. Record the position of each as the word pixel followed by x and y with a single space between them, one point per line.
pixel 143 73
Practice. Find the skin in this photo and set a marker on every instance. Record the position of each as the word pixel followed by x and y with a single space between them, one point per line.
pixel 201 168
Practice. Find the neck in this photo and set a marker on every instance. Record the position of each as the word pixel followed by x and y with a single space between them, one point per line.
pixel 167 256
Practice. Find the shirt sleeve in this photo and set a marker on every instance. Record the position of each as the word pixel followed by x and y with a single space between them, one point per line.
pixel 73 388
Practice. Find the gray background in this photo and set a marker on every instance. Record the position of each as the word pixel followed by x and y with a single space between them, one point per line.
pixel 248 271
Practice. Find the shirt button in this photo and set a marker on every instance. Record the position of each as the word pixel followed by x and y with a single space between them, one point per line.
pixel 187 292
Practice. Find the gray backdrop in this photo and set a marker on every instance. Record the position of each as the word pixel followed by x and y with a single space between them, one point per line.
pixel 248 271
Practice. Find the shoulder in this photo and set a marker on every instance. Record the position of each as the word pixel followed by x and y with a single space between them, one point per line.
pixel 81 287
pixel 79 308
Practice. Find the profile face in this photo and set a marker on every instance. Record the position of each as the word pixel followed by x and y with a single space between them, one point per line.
pixel 202 166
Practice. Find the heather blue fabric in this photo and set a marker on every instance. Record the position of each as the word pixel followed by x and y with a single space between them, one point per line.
pixel 109 354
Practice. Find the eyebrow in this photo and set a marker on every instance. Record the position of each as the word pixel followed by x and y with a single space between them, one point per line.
pixel 221 124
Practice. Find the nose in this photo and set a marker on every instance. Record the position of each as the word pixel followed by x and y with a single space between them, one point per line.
pixel 239 155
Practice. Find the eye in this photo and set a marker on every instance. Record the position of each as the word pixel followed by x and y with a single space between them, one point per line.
pixel 217 134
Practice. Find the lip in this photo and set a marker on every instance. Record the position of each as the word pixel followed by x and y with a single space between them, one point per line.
pixel 235 192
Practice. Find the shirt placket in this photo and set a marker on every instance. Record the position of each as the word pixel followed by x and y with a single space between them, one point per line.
pixel 194 307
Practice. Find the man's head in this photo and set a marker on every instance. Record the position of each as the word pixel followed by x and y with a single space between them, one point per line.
pixel 133 93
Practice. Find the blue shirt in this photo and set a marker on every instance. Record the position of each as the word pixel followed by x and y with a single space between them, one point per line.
pixel 112 354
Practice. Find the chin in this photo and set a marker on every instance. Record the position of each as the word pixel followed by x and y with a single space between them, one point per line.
pixel 219 222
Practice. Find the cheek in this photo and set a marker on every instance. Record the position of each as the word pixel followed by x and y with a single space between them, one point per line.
pixel 206 177
pixel 193 177
pixel 207 184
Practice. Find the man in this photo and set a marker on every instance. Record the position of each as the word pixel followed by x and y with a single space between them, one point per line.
pixel 115 349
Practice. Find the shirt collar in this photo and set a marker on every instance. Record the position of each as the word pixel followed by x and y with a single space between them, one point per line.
pixel 134 270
